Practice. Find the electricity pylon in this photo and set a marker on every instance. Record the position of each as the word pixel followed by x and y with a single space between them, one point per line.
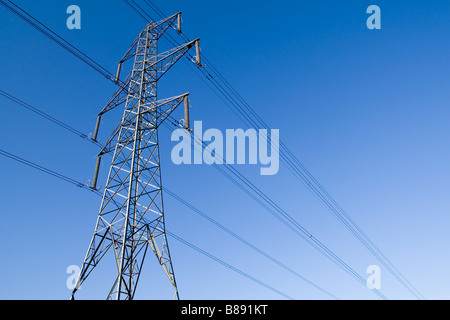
pixel 131 217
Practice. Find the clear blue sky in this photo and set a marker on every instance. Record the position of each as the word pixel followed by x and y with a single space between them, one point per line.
pixel 365 111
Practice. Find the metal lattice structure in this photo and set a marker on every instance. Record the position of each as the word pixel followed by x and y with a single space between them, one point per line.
pixel 131 217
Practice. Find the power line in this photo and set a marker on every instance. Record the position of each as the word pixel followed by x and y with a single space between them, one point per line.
pixel 47 171
pixel 48 117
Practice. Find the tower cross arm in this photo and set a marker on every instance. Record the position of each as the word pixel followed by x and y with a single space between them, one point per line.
pixel 157 29
pixel 166 60
pixel 167 106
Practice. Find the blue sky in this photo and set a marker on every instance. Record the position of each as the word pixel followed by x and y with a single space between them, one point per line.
pixel 366 111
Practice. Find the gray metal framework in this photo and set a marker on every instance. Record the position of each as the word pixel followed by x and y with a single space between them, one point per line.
pixel 131 216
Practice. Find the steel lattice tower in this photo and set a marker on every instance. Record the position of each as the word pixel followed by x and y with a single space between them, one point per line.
pixel 131 216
